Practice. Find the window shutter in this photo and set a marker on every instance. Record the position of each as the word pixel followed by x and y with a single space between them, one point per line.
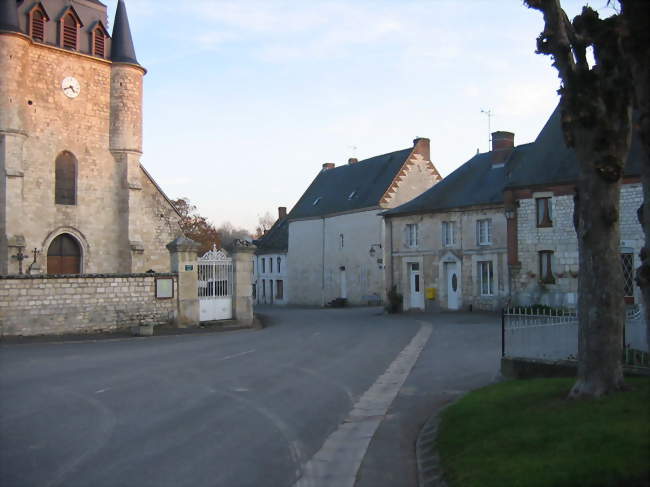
pixel 488 231
pixel 478 232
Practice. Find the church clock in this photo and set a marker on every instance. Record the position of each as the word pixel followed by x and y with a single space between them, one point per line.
pixel 71 87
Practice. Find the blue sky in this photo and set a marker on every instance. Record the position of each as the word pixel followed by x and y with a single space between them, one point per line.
pixel 245 100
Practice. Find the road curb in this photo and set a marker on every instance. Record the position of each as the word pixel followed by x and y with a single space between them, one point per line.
pixel 430 473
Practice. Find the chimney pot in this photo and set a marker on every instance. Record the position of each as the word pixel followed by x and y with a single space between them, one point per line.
pixel 328 165
pixel 353 160
pixel 282 212
pixel 502 145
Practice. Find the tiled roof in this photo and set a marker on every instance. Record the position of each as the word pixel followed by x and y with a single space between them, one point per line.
pixel 350 187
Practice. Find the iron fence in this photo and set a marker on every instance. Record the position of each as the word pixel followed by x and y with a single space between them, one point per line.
pixel 553 334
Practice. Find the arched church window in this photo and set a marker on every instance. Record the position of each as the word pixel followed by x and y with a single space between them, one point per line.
pixel 70 31
pixel 37 19
pixel 65 186
pixel 64 255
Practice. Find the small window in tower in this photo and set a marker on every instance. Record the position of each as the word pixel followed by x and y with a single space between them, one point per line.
pixel 37 25
pixel 98 42
pixel 69 31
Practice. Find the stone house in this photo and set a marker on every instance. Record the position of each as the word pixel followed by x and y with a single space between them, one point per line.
pixel 336 230
pixel 542 242
pixel 270 264
pixel 74 197
pixel 446 249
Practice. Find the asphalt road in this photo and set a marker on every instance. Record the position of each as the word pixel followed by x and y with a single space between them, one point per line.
pixel 247 408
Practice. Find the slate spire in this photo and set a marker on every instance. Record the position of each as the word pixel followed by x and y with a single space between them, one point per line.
pixel 9 16
pixel 122 50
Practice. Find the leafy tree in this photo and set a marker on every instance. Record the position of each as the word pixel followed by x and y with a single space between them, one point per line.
pixel 596 102
pixel 195 226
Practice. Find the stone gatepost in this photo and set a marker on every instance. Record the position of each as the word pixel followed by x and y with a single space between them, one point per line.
pixel 183 257
pixel 242 258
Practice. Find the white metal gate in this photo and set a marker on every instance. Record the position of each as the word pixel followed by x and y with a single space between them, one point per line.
pixel 215 285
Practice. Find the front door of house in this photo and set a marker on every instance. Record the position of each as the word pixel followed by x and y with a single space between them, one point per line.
pixel 417 296
pixel 344 284
pixel 453 286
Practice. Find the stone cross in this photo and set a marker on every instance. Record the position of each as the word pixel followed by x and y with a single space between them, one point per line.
pixel 20 257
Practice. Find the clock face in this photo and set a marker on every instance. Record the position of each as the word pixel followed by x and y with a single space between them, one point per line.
pixel 71 87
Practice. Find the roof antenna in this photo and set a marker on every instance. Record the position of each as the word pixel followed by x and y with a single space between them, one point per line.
pixel 489 117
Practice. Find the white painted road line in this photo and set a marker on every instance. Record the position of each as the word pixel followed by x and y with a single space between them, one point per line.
pixel 339 459
pixel 228 357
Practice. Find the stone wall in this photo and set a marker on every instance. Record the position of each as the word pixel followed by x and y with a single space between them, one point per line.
pixel 52 305
pixel 433 256
pixel 561 239
pixel 121 219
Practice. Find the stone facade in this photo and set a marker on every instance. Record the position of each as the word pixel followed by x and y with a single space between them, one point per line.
pixel 120 219
pixel 561 240
pixel 434 259
pixel 48 305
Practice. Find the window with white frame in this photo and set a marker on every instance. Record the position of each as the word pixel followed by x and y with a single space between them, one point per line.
pixel 263 265
pixel 279 261
pixel 411 235
pixel 271 265
pixel 484 231
pixel 486 278
pixel 448 234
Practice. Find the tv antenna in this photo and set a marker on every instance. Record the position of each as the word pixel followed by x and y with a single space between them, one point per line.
pixel 489 117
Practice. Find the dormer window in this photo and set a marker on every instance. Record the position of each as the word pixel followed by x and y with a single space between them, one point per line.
pixel 70 25
pixel 37 17
pixel 98 40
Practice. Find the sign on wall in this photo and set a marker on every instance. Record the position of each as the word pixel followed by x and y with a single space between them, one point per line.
pixel 164 288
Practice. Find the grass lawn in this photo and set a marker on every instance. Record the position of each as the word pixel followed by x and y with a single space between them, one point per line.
pixel 525 433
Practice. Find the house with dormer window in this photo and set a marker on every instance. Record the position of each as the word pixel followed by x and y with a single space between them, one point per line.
pixel 335 231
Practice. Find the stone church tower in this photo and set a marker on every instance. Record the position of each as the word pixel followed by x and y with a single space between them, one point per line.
pixel 71 184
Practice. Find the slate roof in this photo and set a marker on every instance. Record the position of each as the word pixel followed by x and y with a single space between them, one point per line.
pixel 366 181
pixel 546 161
pixel 552 162
pixel 9 16
pixel 276 239
pixel 474 183
pixel 122 50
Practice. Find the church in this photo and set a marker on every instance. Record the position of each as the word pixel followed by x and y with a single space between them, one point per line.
pixel 74 198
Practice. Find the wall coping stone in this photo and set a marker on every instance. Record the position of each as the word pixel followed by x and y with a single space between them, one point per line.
pixel 85 276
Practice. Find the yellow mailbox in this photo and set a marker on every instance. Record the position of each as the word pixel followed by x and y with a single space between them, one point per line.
pixel 431 293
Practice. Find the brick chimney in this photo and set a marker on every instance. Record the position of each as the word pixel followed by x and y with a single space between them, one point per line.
pixel 502 145
pixel 352 160
pixel 421 145
pixel 282 212
pixel 328 165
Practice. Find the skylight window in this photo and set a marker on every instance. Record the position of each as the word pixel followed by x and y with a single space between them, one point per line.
pixel 353 194
pixel 317 200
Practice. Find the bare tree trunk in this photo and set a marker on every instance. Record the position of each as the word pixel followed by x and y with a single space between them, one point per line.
pixel 636 42
pixel 596 109
pixel 601 307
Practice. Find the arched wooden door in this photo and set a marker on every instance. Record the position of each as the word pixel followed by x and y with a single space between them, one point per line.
pixel 64 256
